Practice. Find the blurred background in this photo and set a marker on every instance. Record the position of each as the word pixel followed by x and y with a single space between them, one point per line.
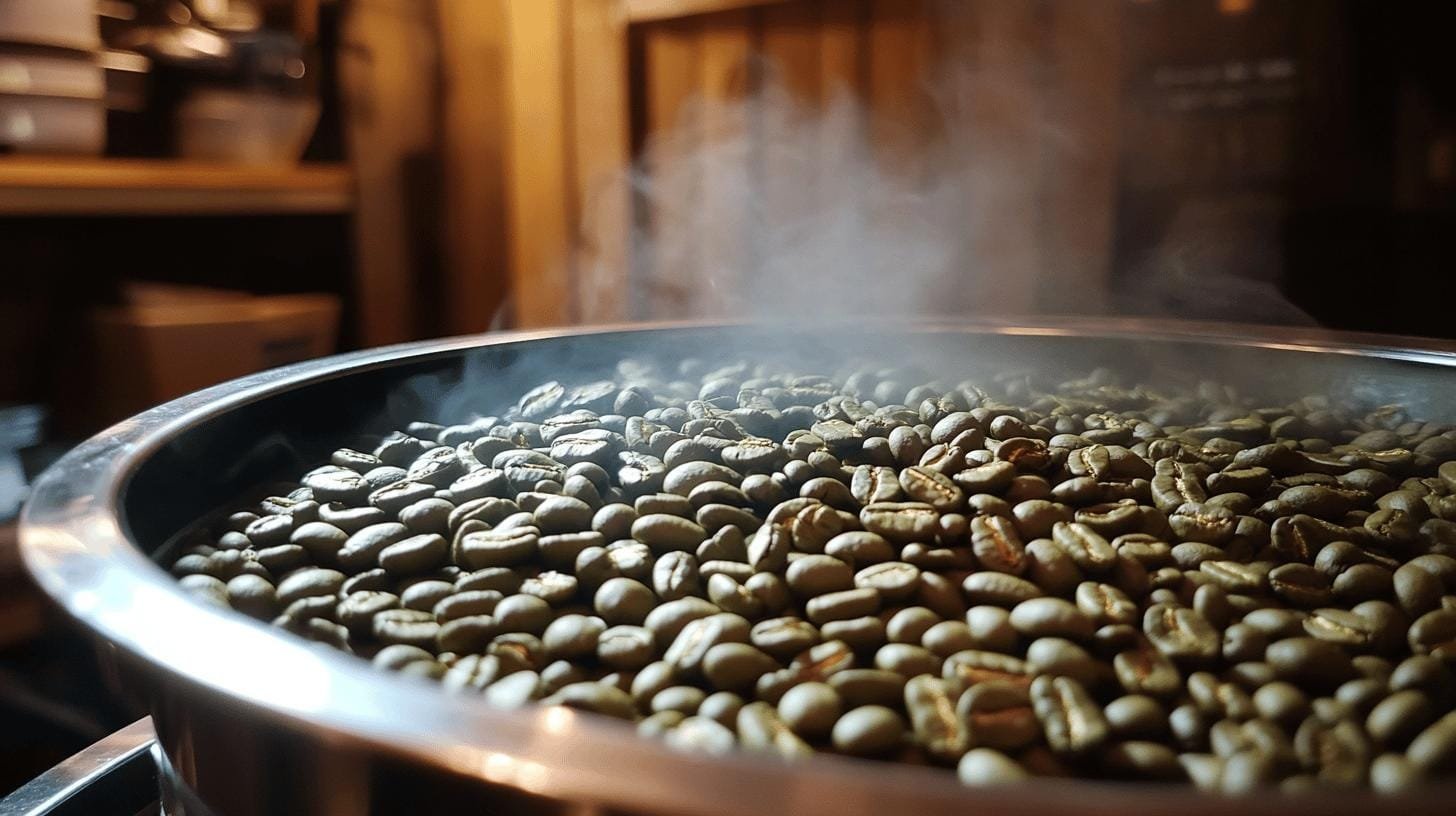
pixel 192 190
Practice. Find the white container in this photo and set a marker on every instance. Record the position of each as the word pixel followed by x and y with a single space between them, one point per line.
pixel 28 73
pixel 59 23
pixel 50 124
pixel 247 127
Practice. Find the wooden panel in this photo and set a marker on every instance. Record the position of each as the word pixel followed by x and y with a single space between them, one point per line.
pixel 842 29
pixel 672 66
pixel 1079 151
pixel 790 44
pixel 727 178
pixel 472 55
pixel 601 203
pixel 387 46
pixel 997 131
pixel 901 117
pixel 787 157
pixel 537 199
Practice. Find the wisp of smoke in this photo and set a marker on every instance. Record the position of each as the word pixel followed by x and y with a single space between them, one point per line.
pixel 769 207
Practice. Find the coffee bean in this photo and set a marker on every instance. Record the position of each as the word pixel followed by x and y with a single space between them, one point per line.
pixel 414 555
pixel 836 606
pixel 622 601
pixel 893 580
pixel 523 613
pixel 626 648
pixel 1059 656
pixel 1394 773
pixel 986 561
pixel 1394 721
pixel 901 522
pixel 871 485
pixel 691 645
pixel 870 730
pixel 925 485
pixel 997 545
pixel 1433 633
pixel 1310 661
pixel 675 575
pixel 760 730
pixel 985 767
pixel 496 548
pixel 1072 722
pixel 666 533
pixel 1136 716
pixel 815 575
pixel 1180 633
pixel 1417 590
pixel 810 709
pixel 1434 749
pixel 1043 617
pixel 572 636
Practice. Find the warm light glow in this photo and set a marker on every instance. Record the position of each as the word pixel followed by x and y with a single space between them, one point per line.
pixel 1232 7
pixel 557 719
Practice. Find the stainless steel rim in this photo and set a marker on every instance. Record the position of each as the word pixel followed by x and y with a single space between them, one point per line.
pixel 73 543
pixel 56 792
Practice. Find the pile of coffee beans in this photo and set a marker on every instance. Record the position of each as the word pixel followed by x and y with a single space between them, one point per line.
pixel 1008 579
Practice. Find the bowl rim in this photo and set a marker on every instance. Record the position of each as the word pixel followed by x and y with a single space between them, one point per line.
pixel 75 545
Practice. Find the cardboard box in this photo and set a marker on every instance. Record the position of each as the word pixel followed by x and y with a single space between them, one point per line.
pixel 165 346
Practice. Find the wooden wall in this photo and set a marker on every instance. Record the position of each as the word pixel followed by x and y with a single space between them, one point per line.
pixel 586 86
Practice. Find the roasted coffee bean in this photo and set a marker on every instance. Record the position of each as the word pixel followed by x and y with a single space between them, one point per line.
pixel 936 725
pixel 414 555
pixel 1086 547
pixel 760 730
pixel 1072 722
pixel 893 580
pixel 987 767
pixel 997 545
pixel 836 606
pixel 901 522
pixel 869 730
pixel 691 645
pixel 871 484
pixel 810 709
pixel 933 488
pixel 667 533
pixel 1043 617
pixel 1434 633
pixel 1144 668
pixel 496 548
pixel 1180 633
pixel 459 604
pixel 1434 749
pixel 1270 584
pixel 675 575
pixel 1312 662
pixel 815 575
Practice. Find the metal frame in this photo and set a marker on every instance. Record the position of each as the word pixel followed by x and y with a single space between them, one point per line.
pixel 117 774
pixel 74 544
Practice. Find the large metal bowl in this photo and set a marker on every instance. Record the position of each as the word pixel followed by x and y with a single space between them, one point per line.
pixel 253 721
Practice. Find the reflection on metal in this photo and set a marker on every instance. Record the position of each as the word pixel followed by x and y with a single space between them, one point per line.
pixel 116 775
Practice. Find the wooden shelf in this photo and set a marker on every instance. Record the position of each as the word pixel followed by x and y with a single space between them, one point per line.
pixel 643 11
pixel 47 186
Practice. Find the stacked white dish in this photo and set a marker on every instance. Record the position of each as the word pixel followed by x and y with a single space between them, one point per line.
pixel 52 90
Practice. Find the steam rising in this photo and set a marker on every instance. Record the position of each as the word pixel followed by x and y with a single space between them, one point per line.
pixel 792 213
pixel 771 208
